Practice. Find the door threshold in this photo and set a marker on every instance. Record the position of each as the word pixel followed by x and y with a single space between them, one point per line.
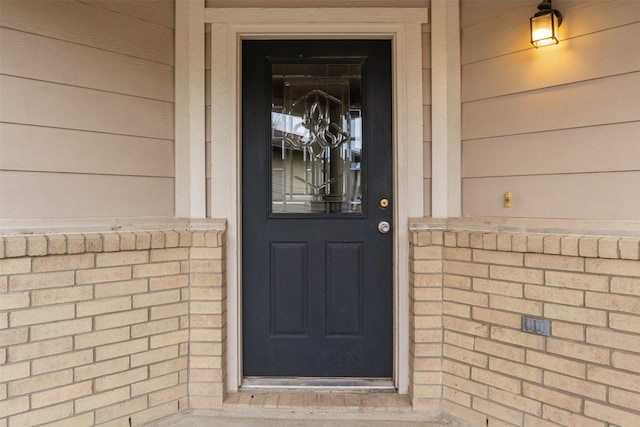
pixel 291 383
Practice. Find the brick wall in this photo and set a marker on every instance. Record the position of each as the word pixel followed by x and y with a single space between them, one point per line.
pixel 586 373
pixel 96 328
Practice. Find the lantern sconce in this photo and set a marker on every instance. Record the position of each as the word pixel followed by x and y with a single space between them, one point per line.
pixel 544 25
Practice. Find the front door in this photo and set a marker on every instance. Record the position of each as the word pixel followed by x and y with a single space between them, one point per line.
pixel 317 208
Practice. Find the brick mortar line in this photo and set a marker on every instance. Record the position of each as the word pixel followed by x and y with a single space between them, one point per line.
pixel 37 245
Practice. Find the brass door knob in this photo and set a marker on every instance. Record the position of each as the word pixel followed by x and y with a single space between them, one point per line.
pixel 383 203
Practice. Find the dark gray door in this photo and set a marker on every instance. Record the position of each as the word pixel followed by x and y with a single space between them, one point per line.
pixel 317 275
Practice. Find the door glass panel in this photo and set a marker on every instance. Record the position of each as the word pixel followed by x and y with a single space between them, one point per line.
pixel 316 138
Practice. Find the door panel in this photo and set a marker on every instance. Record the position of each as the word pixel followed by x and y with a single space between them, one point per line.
pixel 316 159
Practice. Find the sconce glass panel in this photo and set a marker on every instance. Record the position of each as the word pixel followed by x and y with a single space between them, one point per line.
pixel 544 30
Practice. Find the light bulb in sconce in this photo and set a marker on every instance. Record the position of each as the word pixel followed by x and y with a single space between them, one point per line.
pixel 544 25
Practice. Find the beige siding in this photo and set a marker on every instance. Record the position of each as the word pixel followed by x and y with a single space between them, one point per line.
pixel 559 126
pixel 86 109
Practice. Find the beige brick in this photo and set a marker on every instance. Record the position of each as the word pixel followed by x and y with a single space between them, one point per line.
pixel 501 350
pixel 515 401
pixel 501 412
pixel 155 327
pixel 35 383
pixel 120 379
pixel 476 239
pixel 535 243
pixel 207 294
pixel 618 303
pixel 569 245
pixel 517 370
pixel 525 275
pixel 166 395
pixel 419 294
pixel 109 305
pixel 624 398
pixel 63 262
pixel 496 317
pixel 154 384
pixel 466 269
pixel 60 295
pixel 157 269
pixel 127 241
pixel 112 351
pixel 15 246
pixel 575 385
pixel 61 361
pixel 577 281
pixel 15 266
pixel 614 378
pixel 100 400
pixel 629 248
pixel 174 254
pixel 95 339
pixel 578 351
pixel 456 254
pixel 75 243
pixel 490 241
pixel 420 322
pixel 42 416
pixel 40 349
pixel 608 338
pixel 4 284
pixel 517 305
pixel 551 294
pixel 59 329
pixel 610 414
pixel 455 368
pixel 491 378
pixel 425 252
pixel 154 413
pixel 551 244
pixel 115 320
pixel 113 289
pixel 13 371
pixel 498 287
pixel 99 369
pixel 156 298
pixel 623 285
pixel 13 406
pixel 588 247
pixel 497 257
pixel 466 326
pixel 93 242
pixel 608 247
pixel 567 418
pixel 57 244
pixel 465 385
pixel 171 239
pixel 453 309
pixel 36 245
pixel 458 411
pixel 205 253
pixel 462 238
pixel 532 421
pixel 459 340
pixel 552 397
pixel 568 330
pixel 465 356
pixel 111 243
pixel 102 275
pixel 40 281
pixel 157 239
pixel 121 410
pixel 14 300
pixel 517 337
pixel 41 315
pixel 620 267
pixel 554 262
pixel 154 356
pixel 519 243
pixel 557 364
pixel 458 282
pixel 575 314
pixel 168 366
pixel 172 310
pixel 215 279
pixel 60 394
pixel 117 259
pixel 425 266
pixel 629 362
pixel 143 240
pixel 504 242
pixel 466 297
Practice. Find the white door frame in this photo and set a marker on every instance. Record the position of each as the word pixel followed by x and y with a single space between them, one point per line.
pixel 229 26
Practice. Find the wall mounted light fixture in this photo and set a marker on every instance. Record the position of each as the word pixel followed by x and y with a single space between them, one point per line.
pixel 544 25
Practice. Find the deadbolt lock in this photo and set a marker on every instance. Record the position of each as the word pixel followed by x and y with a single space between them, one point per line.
pixel 383 203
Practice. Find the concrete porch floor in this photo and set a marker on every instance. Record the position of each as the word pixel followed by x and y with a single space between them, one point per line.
pixel 308 409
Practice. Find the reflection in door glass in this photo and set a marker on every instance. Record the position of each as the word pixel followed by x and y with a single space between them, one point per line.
pixel 316 138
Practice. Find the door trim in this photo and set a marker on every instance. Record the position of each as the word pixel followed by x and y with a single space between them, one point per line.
pixel 228 28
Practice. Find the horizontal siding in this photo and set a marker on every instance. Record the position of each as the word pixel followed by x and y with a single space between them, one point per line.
pixel 93 153
pixel 30 195
pixel 607 196
pixel 86 109
pixel 562 151
pixel 594 102
pixel 41 103
pixel 315 3
pixel 90 26
pixel 42 58
pixel 559 126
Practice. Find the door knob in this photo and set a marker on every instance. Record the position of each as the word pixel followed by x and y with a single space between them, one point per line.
pixel 384 227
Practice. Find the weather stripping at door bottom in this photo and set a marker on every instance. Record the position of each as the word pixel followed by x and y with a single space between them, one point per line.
pixel 352 384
